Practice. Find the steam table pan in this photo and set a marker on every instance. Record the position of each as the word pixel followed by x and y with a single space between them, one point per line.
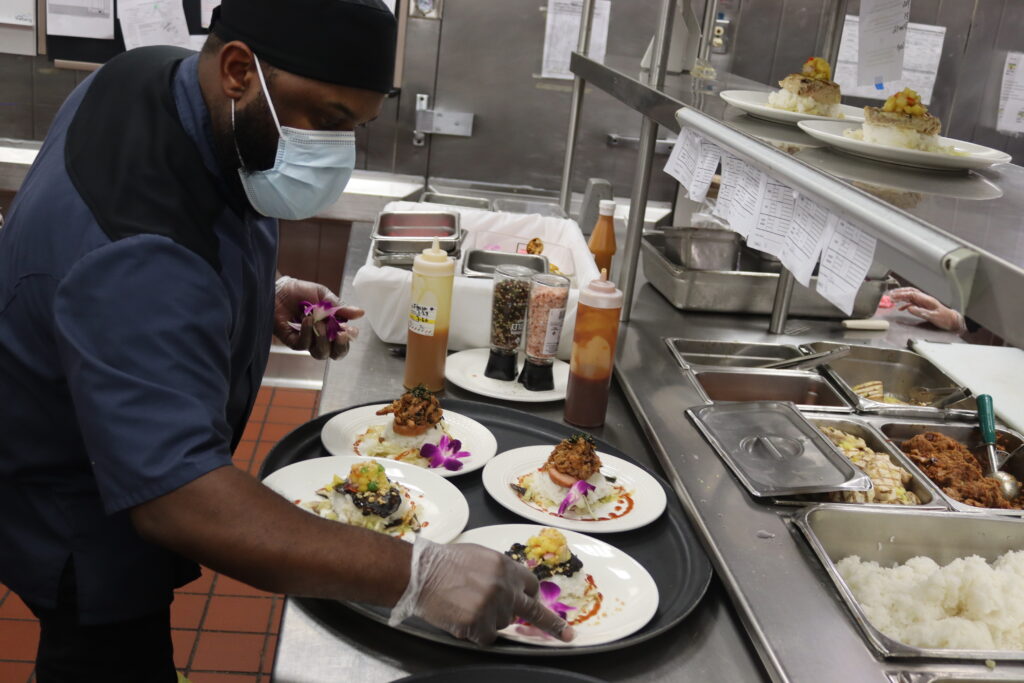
pixel 667 548
pixel 894 536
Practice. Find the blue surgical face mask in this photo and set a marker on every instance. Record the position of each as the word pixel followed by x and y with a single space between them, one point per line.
pixel 309 173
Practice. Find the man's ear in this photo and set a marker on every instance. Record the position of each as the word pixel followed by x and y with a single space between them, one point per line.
pixel 236 68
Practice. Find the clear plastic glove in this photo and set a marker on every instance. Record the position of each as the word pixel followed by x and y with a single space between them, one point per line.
pixel 916 302
pixel 289 305
pixel 472 592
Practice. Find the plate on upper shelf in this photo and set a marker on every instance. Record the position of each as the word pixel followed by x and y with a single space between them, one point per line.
pixel 465 370
pixel 755 103
pixel 341 432
pixel 443 510
pixel 642 499
pixel 970 155
pixel 629 596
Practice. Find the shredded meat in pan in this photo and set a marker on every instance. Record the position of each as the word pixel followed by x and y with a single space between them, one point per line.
pixel 954 468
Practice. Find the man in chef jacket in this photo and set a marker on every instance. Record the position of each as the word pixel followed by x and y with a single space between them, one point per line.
pixel 137 300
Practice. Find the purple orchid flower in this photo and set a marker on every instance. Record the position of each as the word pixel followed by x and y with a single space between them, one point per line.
pixel 323 310
pixel 578 490
pixel 548 595
pixel 445 454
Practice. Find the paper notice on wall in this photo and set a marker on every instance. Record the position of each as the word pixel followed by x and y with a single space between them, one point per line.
pixel 732 172
pixel 746 198
pixel 774 217
pixel 562 32
pixel 80 18
pixel 811 227
pixel 921 57
pixel 1011 95
pixel 693 163
pixel 18 12
pixel 206 8
pixel 152 22
pixel 845 262
pixel 880 42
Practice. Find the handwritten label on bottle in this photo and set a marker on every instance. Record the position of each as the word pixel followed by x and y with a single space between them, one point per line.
pixel 556 317
pixel 422 319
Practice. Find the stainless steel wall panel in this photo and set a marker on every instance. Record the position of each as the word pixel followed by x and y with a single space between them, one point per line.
pixel 419 75
pixel 489 64
pixel 797 37
pixel 757 28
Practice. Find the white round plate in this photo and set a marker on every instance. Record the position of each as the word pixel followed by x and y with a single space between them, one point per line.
pixel 755 103
pixel 871 176
pixel 342 430
pixel 648 495
pixel 465 369
pixel 974 156
pixel 629 594
pixel 443 509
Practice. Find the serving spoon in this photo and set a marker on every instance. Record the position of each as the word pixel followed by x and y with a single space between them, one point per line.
pixel 1008 484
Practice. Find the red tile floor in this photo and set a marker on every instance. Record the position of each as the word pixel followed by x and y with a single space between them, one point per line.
pixel 224 631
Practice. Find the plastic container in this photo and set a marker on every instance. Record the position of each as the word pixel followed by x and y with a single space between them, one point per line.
pixel 593 353
pixel 433 273
pixel 509 304
pixel 549 295
pixel 602 239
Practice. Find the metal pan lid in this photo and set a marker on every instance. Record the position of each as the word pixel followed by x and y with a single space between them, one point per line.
pixel 775 451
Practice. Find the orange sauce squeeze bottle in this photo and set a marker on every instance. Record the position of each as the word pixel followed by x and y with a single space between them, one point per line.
pixel 593 353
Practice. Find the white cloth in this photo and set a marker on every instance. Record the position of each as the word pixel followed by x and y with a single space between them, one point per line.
pixel 385 291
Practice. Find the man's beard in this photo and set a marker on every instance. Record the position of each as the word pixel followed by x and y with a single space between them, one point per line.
pixel 254 134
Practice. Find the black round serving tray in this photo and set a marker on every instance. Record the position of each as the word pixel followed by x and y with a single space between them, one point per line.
pixel 500 673
pixel 667 547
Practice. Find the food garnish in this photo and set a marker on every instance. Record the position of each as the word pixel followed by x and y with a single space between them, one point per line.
pixel 445 454
pixel 367 498
pixel 326 311
pixel 817 68
pixel 416 411
pixel 577 491
pixel 549 592
pixel 906 102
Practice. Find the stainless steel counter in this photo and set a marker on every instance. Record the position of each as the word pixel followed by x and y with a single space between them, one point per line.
pixel 710 645
pixel 792 614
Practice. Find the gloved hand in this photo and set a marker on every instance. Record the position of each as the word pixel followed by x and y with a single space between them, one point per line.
pixel 472 592
pixel 916 302
pixel 312 337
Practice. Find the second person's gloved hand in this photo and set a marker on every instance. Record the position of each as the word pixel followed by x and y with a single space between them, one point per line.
pixel 472 593
pixel 916 302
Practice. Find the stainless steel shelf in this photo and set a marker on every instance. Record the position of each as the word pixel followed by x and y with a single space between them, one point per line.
pixel 919 217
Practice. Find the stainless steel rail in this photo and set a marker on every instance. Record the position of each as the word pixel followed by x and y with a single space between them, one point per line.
pixel 934 261
pixel 578 87
pixel 642 179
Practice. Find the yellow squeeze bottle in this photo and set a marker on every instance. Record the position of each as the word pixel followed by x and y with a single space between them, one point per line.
pixel 433 273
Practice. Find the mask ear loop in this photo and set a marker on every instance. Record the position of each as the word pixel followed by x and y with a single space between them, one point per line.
pixel 266 93
pixel 273 112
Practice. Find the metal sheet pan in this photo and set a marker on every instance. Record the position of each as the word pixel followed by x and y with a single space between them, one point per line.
pixel 901 372
pixel 668 548
pixel 929 495
pixel 970 436
pixel 893 536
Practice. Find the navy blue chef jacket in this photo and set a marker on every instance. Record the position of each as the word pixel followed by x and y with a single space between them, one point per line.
pixel 136 302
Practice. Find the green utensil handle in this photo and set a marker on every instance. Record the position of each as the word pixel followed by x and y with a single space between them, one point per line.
pixel 986 419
